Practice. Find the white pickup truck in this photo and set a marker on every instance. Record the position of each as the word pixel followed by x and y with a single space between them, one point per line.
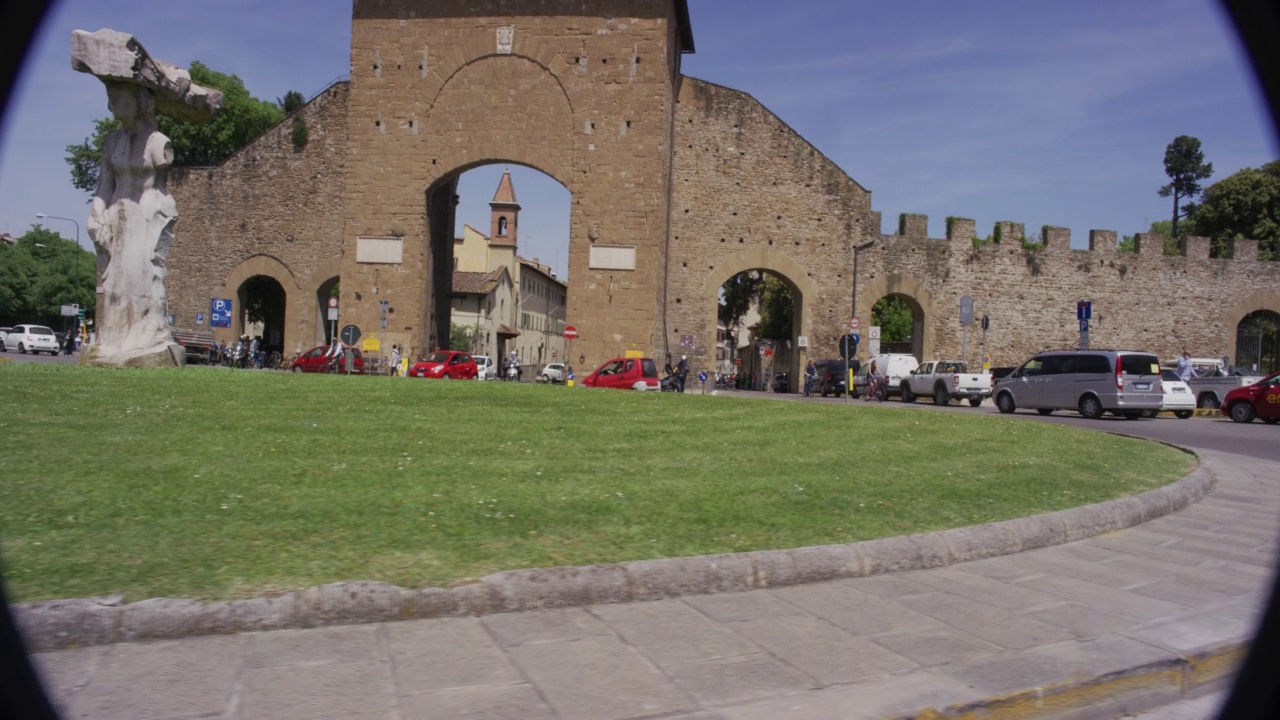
pixel 1214 379
pixel 1211 390
pixel 944 380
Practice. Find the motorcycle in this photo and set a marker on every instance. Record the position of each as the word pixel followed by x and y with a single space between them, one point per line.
pixel 671 382
pixel 513 372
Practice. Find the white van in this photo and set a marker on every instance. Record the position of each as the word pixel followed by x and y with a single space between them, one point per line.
pixel 1092 382
pixel 893 367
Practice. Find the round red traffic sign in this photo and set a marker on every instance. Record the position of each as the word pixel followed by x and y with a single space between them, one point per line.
pixel 855 322
pixel 570 332
pixel 333 302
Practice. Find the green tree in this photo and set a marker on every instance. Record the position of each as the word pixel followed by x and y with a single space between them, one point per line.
pixel 292 102
pixel 1184 164
pixel 1163 228
pixel 736 298
pixel 43 272
pixel 241 119
pixel 1245 205
pixel 777 309
pixel 460 336
pixel 894 317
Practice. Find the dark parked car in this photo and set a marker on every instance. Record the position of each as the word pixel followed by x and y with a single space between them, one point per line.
pixel 831 377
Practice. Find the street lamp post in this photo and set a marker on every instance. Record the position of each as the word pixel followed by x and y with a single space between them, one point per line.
pixel 857 249
pixel 75 280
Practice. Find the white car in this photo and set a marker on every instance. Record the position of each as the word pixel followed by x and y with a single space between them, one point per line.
pixel 552 373
pixel 1178 397
pixel 485 369
pixel 31 338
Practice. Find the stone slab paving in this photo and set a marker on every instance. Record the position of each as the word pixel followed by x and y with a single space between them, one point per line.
pixel 1124 621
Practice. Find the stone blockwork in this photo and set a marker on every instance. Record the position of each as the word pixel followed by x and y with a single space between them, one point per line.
pixel 698 181
pixel 584 92
pixel 1143 300
pixel 271 209
pixel 748 192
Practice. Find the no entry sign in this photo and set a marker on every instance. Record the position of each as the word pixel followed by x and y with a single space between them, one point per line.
pixel 570 332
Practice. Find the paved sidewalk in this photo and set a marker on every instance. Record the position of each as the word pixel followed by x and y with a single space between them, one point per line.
pixel 1112 624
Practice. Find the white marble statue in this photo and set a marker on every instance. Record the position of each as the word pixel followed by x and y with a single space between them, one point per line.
pixel 131 221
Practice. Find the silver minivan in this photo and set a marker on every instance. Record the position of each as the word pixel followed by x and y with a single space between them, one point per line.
pixel 1094 382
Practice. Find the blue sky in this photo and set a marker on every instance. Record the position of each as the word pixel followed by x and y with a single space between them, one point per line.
pixel 1037 112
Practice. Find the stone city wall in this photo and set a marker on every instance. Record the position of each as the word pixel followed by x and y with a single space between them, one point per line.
pixel 270 209
pixel 699 190
pixel 1141 300
pixel 749 192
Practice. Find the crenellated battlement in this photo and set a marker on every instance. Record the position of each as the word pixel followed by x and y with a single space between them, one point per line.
pixel 913 226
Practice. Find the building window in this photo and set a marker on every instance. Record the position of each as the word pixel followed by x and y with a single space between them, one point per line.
pixel 502 226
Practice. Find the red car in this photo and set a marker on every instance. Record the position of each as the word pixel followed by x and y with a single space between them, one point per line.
pixel 625 374
pixel 446 364
pixel 1261 399
pixel 318 359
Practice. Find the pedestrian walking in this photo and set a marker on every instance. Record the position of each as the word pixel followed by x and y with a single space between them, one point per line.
pixel 395 360
pixel 70 342
pixel 682 371
pixel 810 376
pixel 1186 370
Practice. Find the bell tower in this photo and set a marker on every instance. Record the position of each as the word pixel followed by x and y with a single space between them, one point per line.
pixel 504 213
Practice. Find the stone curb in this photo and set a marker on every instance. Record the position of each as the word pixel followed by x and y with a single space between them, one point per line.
pixel 1121 689
pixel 60 624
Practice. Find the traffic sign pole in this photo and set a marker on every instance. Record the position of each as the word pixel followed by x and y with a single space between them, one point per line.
pixel 570 334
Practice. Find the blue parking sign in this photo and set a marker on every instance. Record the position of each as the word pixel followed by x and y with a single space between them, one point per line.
pixel 220 313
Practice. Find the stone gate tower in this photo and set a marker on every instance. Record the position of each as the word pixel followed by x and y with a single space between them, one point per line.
pixel 442 86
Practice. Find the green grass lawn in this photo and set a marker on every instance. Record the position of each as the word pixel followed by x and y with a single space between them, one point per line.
pixel 216 484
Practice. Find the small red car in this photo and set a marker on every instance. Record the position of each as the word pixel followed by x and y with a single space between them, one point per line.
pixel 625 374
pixel 1261 399
pixel 446 364
pixel 319 359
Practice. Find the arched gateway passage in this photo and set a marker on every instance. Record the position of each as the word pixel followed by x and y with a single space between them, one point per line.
pixel 1255 324
pixel 262 304
pixel 579 95
pixel 912 293
pixel 761 357
pixel 263 287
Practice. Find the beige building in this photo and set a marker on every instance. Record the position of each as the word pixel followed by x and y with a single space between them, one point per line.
pixel 512 304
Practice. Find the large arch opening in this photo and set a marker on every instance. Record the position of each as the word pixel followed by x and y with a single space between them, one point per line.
pixel 1258 342
pixel 906 289
pixel 262 311
pixel 500 260
pixel 326 329
pixel 755 362
pixel 901 322
pixel 759 316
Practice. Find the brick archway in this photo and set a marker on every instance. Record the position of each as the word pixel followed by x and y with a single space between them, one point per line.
pixel 310 307
pixel 267 266
pixel 1261 300
pixel 910 288
pixel 804 295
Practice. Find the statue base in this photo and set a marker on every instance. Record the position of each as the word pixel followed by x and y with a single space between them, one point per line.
pixel 168 355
